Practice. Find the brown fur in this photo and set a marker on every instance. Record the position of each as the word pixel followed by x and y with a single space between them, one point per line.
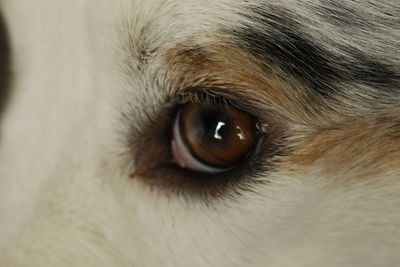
pixel 359 148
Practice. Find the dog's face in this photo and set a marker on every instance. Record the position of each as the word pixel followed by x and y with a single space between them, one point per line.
pixel 201 133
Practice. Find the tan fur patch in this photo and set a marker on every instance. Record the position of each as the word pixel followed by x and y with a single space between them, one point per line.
pixel 360 148
pixel 229 67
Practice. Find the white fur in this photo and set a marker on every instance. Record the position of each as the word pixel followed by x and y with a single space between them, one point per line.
pixel 66 199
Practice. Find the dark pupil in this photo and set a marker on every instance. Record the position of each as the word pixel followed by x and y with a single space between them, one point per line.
pixel 213 127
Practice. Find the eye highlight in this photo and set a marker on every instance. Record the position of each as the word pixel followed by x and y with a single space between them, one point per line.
pixel 212 138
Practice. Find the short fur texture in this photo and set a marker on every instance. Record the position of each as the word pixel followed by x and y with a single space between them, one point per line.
pixel 85 171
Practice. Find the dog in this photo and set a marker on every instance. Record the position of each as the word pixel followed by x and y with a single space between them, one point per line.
pixel 200 133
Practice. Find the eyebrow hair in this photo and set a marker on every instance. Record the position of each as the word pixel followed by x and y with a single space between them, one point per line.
pixel 279 40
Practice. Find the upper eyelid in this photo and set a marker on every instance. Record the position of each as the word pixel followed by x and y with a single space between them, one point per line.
pixel 215 95
pixel 228 101
pixel 263 112
pixel 266 109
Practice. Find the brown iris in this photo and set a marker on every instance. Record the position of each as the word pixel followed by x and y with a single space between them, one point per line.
pixel 216 135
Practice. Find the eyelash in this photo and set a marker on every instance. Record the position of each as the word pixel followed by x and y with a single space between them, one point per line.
pixel 207 96
pixel 213 97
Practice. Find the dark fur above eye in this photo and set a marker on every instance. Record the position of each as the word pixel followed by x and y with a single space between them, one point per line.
pixel 283 39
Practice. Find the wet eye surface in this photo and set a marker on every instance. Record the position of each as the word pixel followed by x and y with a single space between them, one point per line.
pixel 212 138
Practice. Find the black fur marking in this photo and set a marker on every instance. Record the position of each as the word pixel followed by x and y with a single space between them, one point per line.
pixel 281 41
pixel 5 62
pixel 371 72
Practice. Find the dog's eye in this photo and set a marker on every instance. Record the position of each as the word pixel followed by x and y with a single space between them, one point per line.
pixel 212 138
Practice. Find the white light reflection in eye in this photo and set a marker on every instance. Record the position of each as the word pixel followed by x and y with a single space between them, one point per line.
pixel 240 133
pixel 219 126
